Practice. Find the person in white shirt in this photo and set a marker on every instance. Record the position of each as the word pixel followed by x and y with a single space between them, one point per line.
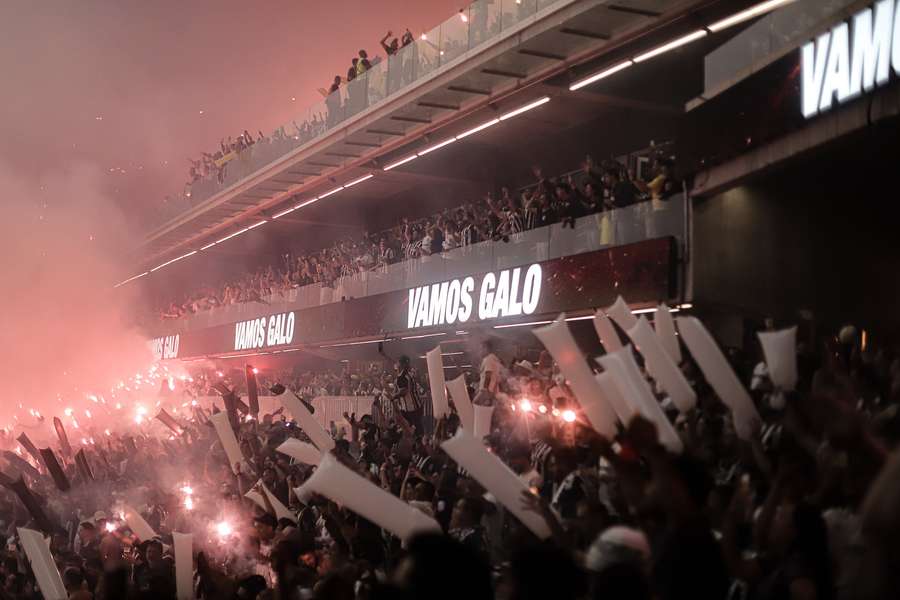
pixel 491 369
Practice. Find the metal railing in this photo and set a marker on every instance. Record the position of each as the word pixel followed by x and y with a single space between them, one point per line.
pixel 635 223
pixel 482 22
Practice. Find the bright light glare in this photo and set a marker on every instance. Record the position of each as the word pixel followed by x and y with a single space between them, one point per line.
pixel 402 161
pixel 525 405
pixel 334 191
pixel 525 108
pixel 746 15
pixel 284 212
pixel 189 505
pixel 131 279
pixel 676 43
pixel 355 181
pixel 110 527
pixel 601 75
pixel 224 529
pixel 228 237
pixel 436 146
pixel 156 268
pixel 568 416
pixel 542 409
pixel 481 127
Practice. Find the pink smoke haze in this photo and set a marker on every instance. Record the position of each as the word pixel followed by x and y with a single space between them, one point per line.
pixel 104 103
pixel 65 333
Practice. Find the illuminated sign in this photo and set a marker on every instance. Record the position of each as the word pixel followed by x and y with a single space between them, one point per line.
pixel 508 293
pixel 264 332
pixel 643 272
pixel 852 58
pixel 165 347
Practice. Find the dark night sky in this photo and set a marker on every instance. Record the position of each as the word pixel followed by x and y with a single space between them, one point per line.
pixel 148 68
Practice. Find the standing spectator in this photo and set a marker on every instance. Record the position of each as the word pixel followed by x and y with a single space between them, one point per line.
pixel 436 241
pixel 333 101
pixel 407 395
pixel 385 253
pixel 390 49
pixel 363 64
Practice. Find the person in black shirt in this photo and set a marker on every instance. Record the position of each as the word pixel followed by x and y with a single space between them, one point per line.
pixel 390 49
pixel 407 395
pixel 570 206
pixel 333 101
pixel 437 240
pixel 623 191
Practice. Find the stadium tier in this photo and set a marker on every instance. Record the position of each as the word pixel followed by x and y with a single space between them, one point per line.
pixel 561 299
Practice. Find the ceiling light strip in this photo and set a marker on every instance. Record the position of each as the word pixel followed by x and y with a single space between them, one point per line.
pixel 132 279
pixel 601 75
pixel 526 108
pixel 481 127
pixel 676 43
pixel 284 212
pixel 446 142
pixel 360 180
pixel 402 161
pixel 750 13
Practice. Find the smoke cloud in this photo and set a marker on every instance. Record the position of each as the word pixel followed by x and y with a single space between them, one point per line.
pixel 66 332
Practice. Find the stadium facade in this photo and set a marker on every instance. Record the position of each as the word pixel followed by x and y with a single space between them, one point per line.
pixel 762 221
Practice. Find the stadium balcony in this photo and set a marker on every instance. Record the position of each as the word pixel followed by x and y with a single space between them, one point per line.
pixel 637 223
pixel 480 64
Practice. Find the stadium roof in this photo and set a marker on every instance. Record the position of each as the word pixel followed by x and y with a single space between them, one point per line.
pixel 533 64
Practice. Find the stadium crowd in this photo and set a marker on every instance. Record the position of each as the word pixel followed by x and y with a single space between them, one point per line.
pixel 213 165
pixel 805 508
pixel 593 189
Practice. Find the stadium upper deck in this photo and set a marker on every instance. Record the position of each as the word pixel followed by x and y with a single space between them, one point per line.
pixel 479 68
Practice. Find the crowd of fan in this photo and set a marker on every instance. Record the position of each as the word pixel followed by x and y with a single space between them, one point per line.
pixel 806 509
pixel 213 165
pixel 596 188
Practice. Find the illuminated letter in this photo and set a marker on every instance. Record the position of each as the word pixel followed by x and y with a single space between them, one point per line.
pixel 895 54
pixel 422 311
pixel 870 63
pixel 289 334
pixel 501 300
pixel 531 292
pixel 413 307
pixel 238 335
pixel 515 307
pixel 272 330
pixel 260 332
pixel 452 301
pixel 837 72
pixel 486 298
pixel 815 55
pixel 465 298
pixel 438 303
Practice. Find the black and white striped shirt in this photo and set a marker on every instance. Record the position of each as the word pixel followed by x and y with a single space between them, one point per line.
pixel 468 235
pixel 539 455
